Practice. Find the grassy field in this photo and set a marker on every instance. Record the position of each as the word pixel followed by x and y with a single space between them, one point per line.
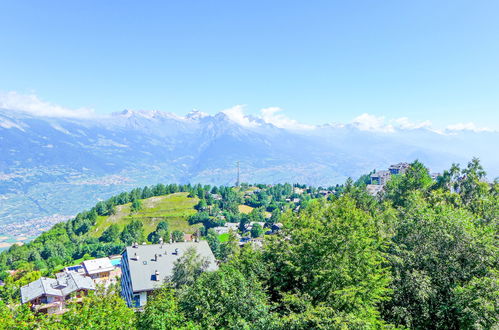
pixel 245 209
pixel 174 208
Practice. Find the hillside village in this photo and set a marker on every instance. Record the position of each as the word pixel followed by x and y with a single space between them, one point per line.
pixel 242 215
pixel 215 218
pixel 239 216
pixel 219 256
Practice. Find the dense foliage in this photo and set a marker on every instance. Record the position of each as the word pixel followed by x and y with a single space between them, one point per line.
pixel 423 254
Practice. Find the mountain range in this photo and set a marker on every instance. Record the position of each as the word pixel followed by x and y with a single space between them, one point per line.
pixel 62 165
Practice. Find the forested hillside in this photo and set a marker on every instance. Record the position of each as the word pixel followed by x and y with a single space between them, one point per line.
pixel 423 254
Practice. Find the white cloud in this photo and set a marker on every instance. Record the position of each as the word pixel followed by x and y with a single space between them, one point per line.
pixel 271 116
pixel 367 122
pixel 468 127
pixel 30 103
pixel 372 123
pixel 405 124
pixel 237 115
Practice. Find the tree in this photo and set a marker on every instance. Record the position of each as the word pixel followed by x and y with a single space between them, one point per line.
pixel 162 312
pixel 257 215
pixel 416 178
pixel 333 254
pixel 133 232
pixel 226 299
pixel 21 317
pixel 136 205
pixel 229 248
pixel 436 248
pixel 188 268
pixel 101 208
pixel 274 218
pixel 477 302
pixel 256 230
pixel 160 234
pixel 111 234
pixel 99 310
pixel 243 222
pixel 177 236
pixel 201 206
pixel 214 243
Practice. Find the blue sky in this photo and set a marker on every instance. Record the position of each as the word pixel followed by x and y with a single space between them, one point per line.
pixel 320 61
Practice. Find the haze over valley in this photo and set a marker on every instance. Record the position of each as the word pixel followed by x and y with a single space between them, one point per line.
pixel 55 166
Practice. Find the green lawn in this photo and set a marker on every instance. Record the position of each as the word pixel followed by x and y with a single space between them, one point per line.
pixel 223 237
pixel 174 208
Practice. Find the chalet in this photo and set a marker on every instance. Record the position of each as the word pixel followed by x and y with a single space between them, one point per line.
pixel 380 178
pixel 221 230
pixel 146 267
pixel 48 295
pixel 216 197
pixel 252 223
pixel 234 226
pixel 98 269
pixel 399 168
pixel 324 193
pixel 298 191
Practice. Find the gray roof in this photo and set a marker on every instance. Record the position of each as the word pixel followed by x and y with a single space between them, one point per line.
pixel 65 284
pixel 400 166
pixel 142 271
pixel 380 174
pixel 95 266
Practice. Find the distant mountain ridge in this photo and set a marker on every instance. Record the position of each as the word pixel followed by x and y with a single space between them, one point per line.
pixel 61 165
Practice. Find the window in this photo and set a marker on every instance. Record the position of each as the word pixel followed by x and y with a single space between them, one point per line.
pixel 136 300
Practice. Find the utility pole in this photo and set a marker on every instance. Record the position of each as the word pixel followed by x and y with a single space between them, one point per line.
pixel 238 182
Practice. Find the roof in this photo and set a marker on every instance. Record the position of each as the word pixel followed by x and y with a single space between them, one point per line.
pixel 400 166
pixel 142 269
pixel 96 266
pixel 65 284
pixel 221 230
pixel 232 225
pixel 380 174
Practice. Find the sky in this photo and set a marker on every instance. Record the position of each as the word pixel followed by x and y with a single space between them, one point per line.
pixel 313 61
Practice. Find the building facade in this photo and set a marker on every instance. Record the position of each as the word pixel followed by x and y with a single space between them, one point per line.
pixel 146 267
pixel 49 295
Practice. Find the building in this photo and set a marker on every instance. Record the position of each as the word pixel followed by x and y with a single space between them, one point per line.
pixel 98 269
pixel 232 226
pixel 374 189
pixel 49 295
pixel 146 267
pixel 76 268
pixel 221 230
pixel 380 177
pixel 399 168
pixel 252 223
pixel 298 191
pixel 435 176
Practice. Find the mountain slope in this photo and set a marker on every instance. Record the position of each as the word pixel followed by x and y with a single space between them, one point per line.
pixel 59 165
